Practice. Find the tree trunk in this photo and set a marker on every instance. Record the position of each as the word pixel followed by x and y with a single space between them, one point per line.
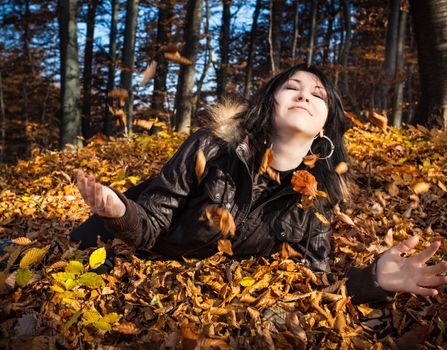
pixel 344 55
pixel 70 127
pixel 430 18
pixel 328 35
pixel 251 45
pixel 312 32
pixel 208 55
pixel 88 58
pixel 224 48
pixel 128 59
pixel 399 73
pixel 107 129
pixel 163 30
pixel 276 9
pixel 296 31
pixel 183 100
pixel 389 64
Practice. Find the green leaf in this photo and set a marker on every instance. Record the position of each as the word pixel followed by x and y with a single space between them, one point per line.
pixel 63 276
pixel 97 258
pixel 23 276
pixel 91 280
pixel 74 266
pixel 73 319
pixel 104 326
pixel 111 318
pixel 70 284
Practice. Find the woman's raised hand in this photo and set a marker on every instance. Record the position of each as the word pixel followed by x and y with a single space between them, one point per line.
pixel 396 273
pixel 101 199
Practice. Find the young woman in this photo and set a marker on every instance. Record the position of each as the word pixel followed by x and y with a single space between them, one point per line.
pixel 236 178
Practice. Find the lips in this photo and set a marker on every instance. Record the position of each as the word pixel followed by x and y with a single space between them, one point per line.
pixel 301 107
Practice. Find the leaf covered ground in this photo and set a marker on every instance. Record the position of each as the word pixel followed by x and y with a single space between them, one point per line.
pixel 52 296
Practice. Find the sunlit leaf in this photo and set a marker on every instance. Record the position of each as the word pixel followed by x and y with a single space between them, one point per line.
pixel 23 276
pixel 33 256
pixel 97 258
pixel 75 267
pixel 91 280
pixel 247 281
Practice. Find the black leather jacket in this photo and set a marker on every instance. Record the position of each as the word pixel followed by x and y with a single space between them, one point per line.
pixel 164 215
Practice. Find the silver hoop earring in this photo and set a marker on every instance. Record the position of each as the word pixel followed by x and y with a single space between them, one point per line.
pixel 331 143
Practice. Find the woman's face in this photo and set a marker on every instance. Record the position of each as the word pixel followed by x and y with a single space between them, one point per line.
pixel 301 105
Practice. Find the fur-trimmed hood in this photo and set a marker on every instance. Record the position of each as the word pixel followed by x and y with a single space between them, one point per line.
pixel 225 120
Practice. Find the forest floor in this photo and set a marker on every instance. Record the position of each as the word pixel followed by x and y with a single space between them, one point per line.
pixel 52 296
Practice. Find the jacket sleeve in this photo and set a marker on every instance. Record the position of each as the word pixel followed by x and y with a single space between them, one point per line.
pixel 361 282
pixel 153 211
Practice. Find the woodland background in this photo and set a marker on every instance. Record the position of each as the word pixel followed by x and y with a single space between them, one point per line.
pixel 67 66
pixel 83 74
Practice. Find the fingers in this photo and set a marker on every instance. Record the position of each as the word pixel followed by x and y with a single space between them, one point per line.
pixel 426 292
pixel 99 201
pixel 432 281
pixel 427 253
pixel 405 246
pixel 435 269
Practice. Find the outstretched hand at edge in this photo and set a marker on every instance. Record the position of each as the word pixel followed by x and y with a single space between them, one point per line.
pixel 101 199
pixel 396 273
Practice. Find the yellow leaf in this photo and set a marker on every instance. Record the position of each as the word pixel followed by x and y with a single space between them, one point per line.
pixel 322 218
pixel 75 267
pixel 63 276
pixel 247 281
pixel 113 317
pixel 91 316
pixel 97 258
pixel 224 246
pixel 91 280
pixel 57 289
pixel 101 325
pixel 133 179
pixel 421 187
pixel 23 276
pixel 70 284
pixel 33 256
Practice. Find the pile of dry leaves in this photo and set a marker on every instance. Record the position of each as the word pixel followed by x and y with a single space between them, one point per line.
pixel 54 296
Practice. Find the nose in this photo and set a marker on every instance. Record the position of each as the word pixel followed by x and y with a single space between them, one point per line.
pixel 301 97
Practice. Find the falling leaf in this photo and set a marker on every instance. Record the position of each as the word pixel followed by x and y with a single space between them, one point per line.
pixel 266 160
pixel 421 187
pixel 142 123
pixel 200 164
pixel 23 276
pixel 149 73
pixel 342 168
pixel 220 218
pixel 322 218
pixel 305 183
pixel 177 58
pixel 287 251
pixel 97 258
pixel 23 241
pixel 351 117
pixel 33 256
pixel 378 120
pixel 224 246
pixel 311 159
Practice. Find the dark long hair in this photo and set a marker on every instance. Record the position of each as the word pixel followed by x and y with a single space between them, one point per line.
pixel 258 123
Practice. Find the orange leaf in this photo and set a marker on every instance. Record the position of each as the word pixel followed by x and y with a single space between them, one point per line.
pixel 341 168
pixel 305 183
pixel 421 187
pixel 200 164
pixel 266 160
pixel 224 246
pixel 310 160
pixel 23 241
pixel 287 251
pixel 378 120
pixel 220 218
pixel 177 58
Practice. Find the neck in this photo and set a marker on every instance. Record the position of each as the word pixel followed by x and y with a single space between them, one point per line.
pixel 289 151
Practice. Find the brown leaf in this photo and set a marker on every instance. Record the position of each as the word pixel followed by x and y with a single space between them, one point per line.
pixel 378 120
pixel 149 73
pixel 127 328
pixel 305 183
pixel 311 159
pixel 200 164
pixel 177 58
pixel 221 218
pixel 287 251
pixel 342 216
pixel 224 246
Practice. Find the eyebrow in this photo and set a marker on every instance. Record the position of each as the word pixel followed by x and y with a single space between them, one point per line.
pixel 316 86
